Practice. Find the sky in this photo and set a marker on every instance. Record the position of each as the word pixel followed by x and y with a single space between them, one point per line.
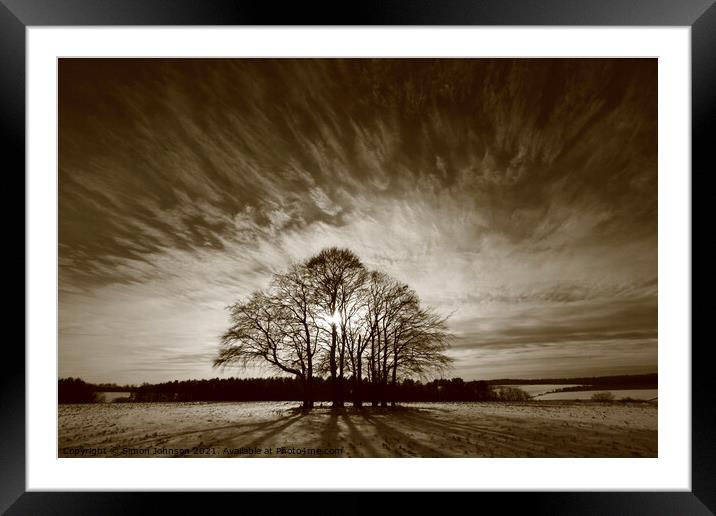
pixel 516 196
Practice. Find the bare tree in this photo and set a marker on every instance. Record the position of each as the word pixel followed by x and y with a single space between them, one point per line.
pixel 420 341
pixel 295 296
pixel 379 286
pixel 406 339
pixel 329 314
pixel 358 328
pixel 262 332
pixel 334 274
pixel 395 297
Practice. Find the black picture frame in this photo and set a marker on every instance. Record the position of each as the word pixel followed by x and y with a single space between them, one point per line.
pixel 17 15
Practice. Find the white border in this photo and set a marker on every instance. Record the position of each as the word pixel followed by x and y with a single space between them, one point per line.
pixel 671 471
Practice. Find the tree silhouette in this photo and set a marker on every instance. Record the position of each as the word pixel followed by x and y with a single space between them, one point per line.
pixel 337 275
pixel 295 295
pixel 263 330
pixel 329 314
pixel 406 339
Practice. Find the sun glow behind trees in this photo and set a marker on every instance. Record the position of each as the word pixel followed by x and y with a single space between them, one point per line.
pixel 333 319
pixel 331 315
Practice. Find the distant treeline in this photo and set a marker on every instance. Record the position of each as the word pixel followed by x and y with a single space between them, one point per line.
pixel 74 390
pixel 633 381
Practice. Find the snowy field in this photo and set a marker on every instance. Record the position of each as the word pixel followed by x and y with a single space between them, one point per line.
pixel 280 429
pixel 635 394
pixel 538 390
pixel 545 392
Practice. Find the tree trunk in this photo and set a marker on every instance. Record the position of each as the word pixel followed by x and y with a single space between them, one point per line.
pixel 375 364
pixel 307 403
pixel 334 367
pixel 357 394
pixel 308 387
pixel 393 386
pixel 384 376
pixel 341 367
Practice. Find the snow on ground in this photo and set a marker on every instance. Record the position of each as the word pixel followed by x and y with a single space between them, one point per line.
pixel 530 429
pixel 635 394
pixel 536 390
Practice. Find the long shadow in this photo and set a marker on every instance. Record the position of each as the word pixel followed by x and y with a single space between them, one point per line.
pixel 452 425
pixel 385 430
pixel 329 434
pixel 271 432
pixel 210 429
pixel 361 441
pixel 426 419
pixel 257 425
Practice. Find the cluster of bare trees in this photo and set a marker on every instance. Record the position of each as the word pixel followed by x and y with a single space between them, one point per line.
pixel 331 315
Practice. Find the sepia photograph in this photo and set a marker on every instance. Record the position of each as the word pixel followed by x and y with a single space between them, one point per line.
pixel 354 257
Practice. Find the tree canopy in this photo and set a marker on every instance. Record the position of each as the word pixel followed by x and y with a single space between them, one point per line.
pixel 331 315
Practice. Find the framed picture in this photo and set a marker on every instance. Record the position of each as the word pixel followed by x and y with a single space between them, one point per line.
pixel 428 251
